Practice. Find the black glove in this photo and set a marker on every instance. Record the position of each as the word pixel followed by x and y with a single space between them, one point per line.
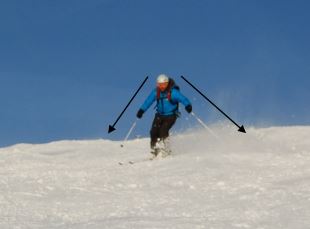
pixel 140 113
pixel 188 108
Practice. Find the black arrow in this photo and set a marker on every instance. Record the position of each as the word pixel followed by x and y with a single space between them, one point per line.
pixel 241 128
pixel 111 128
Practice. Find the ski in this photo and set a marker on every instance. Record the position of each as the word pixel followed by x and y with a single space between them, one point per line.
pixel 135 162
pixel 152 158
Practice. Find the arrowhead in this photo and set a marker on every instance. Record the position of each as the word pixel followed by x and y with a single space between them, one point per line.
pixel 111 129
pixel 241 129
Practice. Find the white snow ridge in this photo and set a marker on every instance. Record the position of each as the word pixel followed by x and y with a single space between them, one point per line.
pixel 256 180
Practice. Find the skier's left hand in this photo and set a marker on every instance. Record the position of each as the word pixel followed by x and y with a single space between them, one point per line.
pixel 189 108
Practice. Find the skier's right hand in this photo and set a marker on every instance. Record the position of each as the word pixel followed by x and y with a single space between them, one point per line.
pixel 140 113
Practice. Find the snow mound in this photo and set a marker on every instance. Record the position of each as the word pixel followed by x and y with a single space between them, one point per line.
pixel 218 178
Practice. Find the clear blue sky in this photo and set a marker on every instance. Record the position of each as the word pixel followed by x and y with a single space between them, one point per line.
pixel 69 67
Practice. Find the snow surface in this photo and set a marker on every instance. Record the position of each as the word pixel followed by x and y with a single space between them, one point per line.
pixel 256 180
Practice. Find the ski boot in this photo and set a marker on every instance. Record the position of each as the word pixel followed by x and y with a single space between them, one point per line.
pixel 154 152
pixel 163 149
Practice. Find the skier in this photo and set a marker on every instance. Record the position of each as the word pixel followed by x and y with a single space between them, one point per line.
pixel 168 96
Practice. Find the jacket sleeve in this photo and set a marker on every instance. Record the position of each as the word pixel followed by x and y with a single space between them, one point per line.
pixel 177 95
pixel 149 101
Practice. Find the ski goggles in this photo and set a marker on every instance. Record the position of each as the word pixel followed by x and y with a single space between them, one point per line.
pixel 162 85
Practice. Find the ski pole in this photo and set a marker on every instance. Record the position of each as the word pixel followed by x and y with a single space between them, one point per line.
pixel 129 132
pixel 204 125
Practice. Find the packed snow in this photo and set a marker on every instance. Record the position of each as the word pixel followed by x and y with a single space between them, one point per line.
pixel 215 178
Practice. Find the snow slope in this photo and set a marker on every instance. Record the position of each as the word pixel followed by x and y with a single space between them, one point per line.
pixel 256 180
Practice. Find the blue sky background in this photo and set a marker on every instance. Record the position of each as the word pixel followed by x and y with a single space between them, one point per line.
pixel 69 67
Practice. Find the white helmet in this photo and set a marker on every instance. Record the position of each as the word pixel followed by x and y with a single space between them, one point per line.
pixel 162 78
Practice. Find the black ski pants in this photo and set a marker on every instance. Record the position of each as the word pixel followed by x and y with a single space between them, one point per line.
pixel 160 127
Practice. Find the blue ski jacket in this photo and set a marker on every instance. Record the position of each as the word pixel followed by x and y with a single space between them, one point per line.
pixel 165 106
